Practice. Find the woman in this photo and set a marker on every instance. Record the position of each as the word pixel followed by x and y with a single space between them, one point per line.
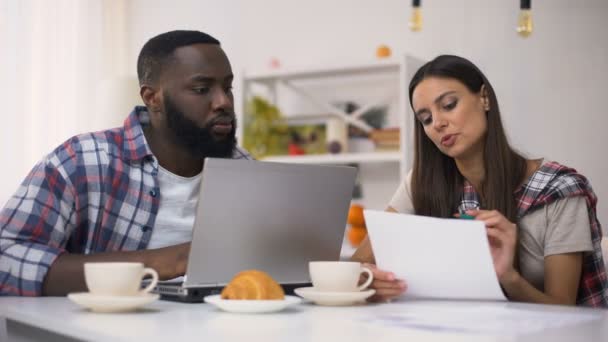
pixel 539 215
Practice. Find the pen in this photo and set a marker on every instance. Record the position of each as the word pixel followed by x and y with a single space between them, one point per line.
pixel 463 213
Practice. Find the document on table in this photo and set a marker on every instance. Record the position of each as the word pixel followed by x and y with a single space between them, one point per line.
pixel 438 258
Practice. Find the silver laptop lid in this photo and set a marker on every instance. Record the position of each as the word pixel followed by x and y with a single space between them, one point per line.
pixel 268 216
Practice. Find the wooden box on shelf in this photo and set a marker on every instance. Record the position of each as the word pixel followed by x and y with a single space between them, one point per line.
pixel 386 139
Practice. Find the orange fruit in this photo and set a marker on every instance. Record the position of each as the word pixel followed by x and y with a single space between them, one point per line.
pixel 355 216
pixel 383 51
pixel 356 234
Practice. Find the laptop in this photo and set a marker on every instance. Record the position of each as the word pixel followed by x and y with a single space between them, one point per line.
pixel 274 217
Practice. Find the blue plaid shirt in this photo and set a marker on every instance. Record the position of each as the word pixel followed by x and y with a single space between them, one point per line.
pixel 97 192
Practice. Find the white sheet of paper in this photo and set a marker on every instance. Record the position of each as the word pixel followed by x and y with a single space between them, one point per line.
pixel 438 258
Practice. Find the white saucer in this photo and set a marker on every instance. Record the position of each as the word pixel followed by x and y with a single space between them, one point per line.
pixel 101 303
pixel 334 298
pixel 252 306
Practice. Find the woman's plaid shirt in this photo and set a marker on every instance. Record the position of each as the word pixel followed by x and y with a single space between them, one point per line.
pixel 549 184
pixel 97 192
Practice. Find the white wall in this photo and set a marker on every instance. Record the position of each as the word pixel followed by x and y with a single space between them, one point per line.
pixel 11 119
pixel 53 76
pixel 551 86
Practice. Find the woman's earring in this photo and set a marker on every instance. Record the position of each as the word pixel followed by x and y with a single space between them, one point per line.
pixel 486 105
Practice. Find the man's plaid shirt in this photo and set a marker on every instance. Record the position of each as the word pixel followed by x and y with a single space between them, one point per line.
pixel 97 192
pixel 548 184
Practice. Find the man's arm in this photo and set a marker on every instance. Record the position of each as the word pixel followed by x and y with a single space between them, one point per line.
pixel 35 225
pixel 66 274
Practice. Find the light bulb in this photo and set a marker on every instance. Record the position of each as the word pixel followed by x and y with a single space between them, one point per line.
pixel 416 19
pixel 524 23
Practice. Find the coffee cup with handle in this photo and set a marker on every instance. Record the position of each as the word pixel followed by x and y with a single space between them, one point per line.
pixel 339 276
pixel 118 278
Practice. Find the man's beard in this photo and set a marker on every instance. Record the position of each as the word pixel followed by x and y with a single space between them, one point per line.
pixel 199 142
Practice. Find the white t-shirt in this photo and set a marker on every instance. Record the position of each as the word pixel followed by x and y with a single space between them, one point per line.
pixel 177 209
pixel 557 228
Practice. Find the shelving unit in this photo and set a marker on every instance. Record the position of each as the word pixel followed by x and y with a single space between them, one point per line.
pixel 396 74
pixel 340 158
pixel 331 71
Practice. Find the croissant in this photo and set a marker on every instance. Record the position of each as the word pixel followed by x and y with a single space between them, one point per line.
pixel 252 284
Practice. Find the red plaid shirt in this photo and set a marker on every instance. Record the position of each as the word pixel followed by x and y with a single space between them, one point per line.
pixel 97 192
pixel 548 184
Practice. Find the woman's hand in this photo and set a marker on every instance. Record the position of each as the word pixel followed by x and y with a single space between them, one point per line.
pixel 502 235
pixel 386 285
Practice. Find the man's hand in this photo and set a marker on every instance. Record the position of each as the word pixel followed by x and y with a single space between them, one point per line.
pixel 170 262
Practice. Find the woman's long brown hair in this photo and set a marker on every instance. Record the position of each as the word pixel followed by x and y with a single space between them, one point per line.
pixel 436 182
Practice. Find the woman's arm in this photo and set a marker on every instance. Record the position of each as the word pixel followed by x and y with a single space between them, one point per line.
pixel 562 271
pixel 364 252
pixel 386 285
pixel 562 274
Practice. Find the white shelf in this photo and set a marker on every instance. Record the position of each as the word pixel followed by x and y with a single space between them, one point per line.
pixel 278 83
pixel 285 74
pixel 340 158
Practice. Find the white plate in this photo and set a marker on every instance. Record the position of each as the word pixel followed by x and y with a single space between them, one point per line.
pixel 334 298
pixel 100 303
pixel 252 306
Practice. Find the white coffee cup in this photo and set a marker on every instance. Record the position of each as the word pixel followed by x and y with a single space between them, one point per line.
pixel 338 276
pixel 118 278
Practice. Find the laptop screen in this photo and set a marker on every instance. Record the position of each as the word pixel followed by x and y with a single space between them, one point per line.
pixel 268 216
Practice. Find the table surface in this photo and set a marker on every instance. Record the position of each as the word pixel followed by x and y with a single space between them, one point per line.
pixel 422 320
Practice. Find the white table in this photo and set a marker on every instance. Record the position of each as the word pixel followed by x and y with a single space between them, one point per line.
pixel 58 319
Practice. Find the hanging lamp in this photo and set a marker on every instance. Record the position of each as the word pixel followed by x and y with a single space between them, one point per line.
pixel 415 23
pixel 524 22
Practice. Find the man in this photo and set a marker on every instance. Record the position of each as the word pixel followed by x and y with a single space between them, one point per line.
pixel 129 193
